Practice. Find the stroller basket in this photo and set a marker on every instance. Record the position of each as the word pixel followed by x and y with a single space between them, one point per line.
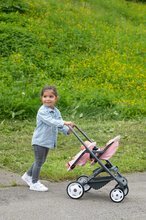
pixel 99 182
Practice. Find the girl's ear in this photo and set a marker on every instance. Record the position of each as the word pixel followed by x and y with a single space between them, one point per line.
pixel 41 98
pixel 57 98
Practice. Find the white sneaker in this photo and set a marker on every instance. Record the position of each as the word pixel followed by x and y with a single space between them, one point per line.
pixel 27 179
pixel 38 187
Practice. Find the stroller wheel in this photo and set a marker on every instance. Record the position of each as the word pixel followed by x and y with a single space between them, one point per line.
pixel 83 180
pixel 75 190
pixel 126 189
pixel 117 195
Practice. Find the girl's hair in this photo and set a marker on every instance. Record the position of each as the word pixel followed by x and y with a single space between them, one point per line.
pixel 53 88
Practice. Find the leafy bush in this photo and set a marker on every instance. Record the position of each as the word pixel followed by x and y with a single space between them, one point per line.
pixel 137 1
pixel 10 6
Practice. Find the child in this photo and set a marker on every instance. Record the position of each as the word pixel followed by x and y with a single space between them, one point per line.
pixel 49 122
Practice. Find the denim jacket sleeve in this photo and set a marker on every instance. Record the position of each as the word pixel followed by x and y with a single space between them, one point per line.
pixel 53 118
pixel 64 130
pixel 50 117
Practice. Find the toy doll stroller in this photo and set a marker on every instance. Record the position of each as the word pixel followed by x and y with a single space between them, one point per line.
pixel 90 152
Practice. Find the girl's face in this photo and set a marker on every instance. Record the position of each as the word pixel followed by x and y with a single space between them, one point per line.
pixel 48 98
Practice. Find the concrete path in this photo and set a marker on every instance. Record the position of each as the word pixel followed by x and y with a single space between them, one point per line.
pixel 17 202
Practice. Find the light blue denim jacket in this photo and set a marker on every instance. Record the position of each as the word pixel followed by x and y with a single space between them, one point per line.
pixel 49 122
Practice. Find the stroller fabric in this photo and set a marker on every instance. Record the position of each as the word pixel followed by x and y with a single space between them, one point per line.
pixel 103 153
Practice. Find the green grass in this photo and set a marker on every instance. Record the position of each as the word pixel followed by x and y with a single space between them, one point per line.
pixel 93 51
pixel 16 153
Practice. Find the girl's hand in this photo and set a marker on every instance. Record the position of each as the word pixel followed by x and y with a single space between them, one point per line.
pixel 69 123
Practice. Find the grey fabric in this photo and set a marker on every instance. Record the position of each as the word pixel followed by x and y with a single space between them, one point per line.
pixel 40 154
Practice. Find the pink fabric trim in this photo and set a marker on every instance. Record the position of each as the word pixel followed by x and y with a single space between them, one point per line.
pixel 86 156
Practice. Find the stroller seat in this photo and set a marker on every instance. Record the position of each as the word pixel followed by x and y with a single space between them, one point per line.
pixel 103 153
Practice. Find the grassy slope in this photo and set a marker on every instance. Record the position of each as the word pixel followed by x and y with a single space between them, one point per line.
pixel 83 47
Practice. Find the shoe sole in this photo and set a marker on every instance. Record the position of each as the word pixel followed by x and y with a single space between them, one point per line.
pixel 39 190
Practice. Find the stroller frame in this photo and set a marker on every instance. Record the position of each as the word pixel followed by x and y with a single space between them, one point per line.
pixel 84 183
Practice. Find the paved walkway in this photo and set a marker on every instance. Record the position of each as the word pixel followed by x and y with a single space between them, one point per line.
pixel 8 178
pixel 19 203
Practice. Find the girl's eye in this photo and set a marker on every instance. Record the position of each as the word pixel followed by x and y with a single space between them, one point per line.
pixel 48 96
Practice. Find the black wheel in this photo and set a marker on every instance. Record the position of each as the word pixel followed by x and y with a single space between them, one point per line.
pixel 117 195
pixel 75 190
pixel 126 189
pixel 84 179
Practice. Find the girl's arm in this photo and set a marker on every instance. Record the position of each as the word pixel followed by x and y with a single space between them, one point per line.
pixel 66 130
pixel 47 118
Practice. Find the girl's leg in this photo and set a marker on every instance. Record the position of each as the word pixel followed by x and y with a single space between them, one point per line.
pixel 40 157
pixel 29 172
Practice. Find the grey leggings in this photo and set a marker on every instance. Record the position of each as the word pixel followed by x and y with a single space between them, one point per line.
pixel 40 154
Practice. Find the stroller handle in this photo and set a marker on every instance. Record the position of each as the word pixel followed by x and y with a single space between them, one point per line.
pixel 82 132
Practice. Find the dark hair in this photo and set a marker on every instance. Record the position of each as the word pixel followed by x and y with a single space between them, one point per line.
pixel 53 88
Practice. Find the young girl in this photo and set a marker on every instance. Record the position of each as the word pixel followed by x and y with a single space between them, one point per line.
pixel 49 122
